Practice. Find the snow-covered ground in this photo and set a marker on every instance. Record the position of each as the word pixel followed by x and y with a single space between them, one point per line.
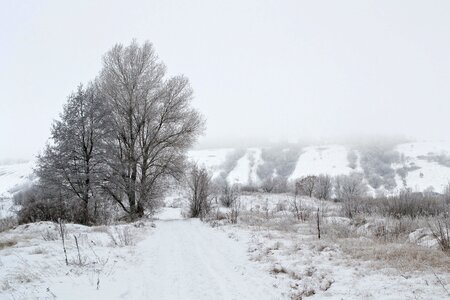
pixel 176 258
pixel 268 255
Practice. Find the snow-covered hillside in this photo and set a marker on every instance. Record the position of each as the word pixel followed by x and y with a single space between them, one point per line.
pixel 13 178
pixel 418 165
pixel 330 159
pixel 246 168
pixel 213 159
pixel 427 173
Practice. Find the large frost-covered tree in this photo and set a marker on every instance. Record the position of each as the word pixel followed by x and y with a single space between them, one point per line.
pixel 152 125
pixel 73 162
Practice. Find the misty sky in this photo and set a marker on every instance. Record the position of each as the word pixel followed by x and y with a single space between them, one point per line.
pixel 271 69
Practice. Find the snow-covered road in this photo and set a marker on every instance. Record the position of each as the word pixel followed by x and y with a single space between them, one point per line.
pixel 184 259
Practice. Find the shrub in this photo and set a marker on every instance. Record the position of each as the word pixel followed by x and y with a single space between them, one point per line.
pixel 306 185
pixel 121 236
pixel 349 189
pixel 229 194
pixel 407 204
pixel 441 232
pixel 199 187
pixel 323 187
pixel 7 223
pixel 36 205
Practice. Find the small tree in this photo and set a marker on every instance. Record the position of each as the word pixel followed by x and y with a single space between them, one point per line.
pixel 323 187
pixel 229 194
pixel 349 188
pixel 235 211
pixel 268 185
pixel 447 194
pixel 297 205
pixel 199 187
pixel 306 185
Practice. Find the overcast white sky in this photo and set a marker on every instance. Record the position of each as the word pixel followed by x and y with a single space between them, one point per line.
pixel 272 69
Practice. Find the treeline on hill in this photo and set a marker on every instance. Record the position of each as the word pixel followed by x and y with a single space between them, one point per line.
pixel 118 141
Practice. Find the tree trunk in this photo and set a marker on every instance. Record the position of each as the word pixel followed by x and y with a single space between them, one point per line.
pixel 132 192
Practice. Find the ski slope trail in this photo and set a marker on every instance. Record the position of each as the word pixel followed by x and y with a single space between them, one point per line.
pixel 186 259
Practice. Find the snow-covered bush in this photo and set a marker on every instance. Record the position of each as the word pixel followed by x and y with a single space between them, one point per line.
pixel 7 223
pixel 121 236
pixel 349 189
pixel 323 187
pixel 229 194
pixel 441 232
pixel 405 204
pixel 38 205
pixel 198 182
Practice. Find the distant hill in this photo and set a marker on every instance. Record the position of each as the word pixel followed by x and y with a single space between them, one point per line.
pixel 387 168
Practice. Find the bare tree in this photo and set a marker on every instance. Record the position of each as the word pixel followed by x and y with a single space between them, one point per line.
pixel 275 184
pixel 306 185
pixel 152 125
pixel 199 186
pixel 235 211
pixel 296 205
pixel 348 189
pixel 447 194
pixel 229 194
pixel 323 187
pixel 268 185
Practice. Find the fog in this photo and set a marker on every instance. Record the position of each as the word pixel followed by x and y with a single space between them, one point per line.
pixel 261 70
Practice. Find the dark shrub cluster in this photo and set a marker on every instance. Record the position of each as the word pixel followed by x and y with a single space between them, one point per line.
pixel 407 204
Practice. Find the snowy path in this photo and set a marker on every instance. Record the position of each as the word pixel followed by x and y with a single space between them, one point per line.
pixel 185 259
